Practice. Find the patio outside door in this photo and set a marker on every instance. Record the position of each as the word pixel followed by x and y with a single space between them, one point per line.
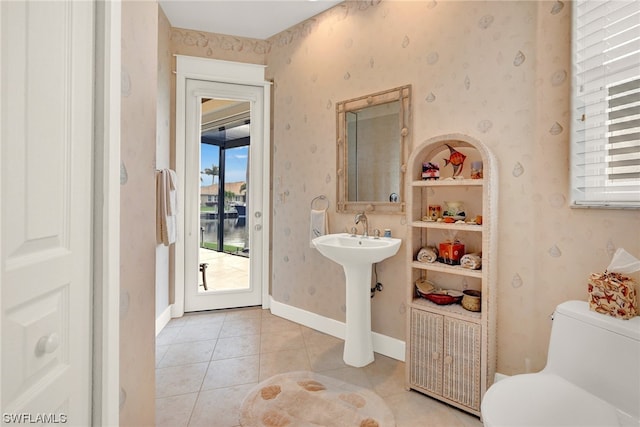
pixel 223 210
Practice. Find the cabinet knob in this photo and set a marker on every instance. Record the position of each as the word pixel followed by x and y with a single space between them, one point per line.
pixel 448 360
pixel 435 356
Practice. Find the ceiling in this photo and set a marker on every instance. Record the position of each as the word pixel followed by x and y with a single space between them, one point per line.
pixel 257 19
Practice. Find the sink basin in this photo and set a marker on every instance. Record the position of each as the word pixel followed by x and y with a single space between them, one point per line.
pixel 357 254
pixel 347 249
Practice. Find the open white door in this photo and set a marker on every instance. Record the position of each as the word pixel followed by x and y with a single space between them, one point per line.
pixel 46 181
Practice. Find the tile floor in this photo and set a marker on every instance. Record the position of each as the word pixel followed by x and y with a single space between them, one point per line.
pixel 207 362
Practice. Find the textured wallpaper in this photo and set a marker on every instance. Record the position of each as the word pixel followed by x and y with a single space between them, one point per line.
pixel 138 124
pixel 496 71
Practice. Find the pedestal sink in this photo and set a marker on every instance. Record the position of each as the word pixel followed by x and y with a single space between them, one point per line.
pixel 357 254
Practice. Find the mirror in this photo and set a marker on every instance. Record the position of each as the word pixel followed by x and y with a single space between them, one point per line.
pixel 372 150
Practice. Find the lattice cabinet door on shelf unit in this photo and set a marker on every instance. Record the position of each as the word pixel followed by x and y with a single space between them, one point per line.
pixel 451 294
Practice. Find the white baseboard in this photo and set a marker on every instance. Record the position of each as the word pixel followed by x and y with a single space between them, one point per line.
pixel 385 345
pixel 163 319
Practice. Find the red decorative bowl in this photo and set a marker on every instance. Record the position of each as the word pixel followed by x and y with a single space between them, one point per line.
pixel 442 299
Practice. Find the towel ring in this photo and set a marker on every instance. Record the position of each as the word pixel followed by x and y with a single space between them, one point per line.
pixel 321 197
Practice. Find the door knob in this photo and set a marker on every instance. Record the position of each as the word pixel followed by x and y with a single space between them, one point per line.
pixel 47 344
pixel 258 214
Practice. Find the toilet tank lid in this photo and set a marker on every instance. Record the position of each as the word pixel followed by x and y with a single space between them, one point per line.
pixel 580 310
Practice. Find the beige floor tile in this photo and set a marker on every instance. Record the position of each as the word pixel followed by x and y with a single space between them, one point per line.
pixel 167 335
pixel 467 419
pixel 273 324
pixel 279 341
pixel 244 345
pixel 198 332
pixel 355 376
pixel 236 328
pixel 231 372
pixel 178 380
pixel 187 353
pixel 387 375
pixel 219 407
pixel 326 357
pixel 413 409
pixel 161 350
pixel 250 313
pixel 283 361
pixel 314 338
pixel 217 316
pixel 177 322
pixel 175 411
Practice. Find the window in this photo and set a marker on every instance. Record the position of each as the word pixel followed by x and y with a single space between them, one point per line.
pixel 605 136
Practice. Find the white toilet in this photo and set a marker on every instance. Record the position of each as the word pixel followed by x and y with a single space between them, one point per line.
pixel 592 376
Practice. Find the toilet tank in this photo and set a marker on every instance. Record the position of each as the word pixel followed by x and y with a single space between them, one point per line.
pixel 598 353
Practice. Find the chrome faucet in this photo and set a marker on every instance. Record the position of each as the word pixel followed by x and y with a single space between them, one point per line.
pixel 361 217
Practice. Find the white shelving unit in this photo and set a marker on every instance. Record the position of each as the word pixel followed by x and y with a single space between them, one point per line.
pixel 450 351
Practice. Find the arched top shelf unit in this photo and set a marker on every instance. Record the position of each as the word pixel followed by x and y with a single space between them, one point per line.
pixel 430 360
pixel 429 149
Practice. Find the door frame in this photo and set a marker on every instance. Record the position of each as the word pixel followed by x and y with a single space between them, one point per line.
pixel 219 71
pixel 194 300
pixel 106 213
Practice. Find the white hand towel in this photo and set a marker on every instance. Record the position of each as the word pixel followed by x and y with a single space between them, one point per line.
pixel 427 254
pixel 472 261
pixel 166 206
pixel 319 225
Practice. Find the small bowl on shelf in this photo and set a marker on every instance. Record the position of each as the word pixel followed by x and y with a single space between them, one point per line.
pixel 425 287
pixel 471 300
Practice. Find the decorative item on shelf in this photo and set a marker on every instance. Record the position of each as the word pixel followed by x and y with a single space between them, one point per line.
pixel 454 212
pixel 456 159
pixel 450 252
pixel 435 211
pixel 471 261
pixel 430 171
pixel 427 290
pixel 444 296
pixel 476 170
pixel 471 300
pixel 613 292
pixel 424 287
pixel 427 254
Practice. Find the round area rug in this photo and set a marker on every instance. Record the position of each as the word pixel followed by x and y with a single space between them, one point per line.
pixel 305 399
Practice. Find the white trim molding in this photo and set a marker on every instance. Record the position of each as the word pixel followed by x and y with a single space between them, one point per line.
pixel 106 211
pixel 383 344
pixel 214 70
pixel 163 319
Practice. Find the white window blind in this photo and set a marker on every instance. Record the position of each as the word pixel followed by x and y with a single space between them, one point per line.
pixel 605 136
